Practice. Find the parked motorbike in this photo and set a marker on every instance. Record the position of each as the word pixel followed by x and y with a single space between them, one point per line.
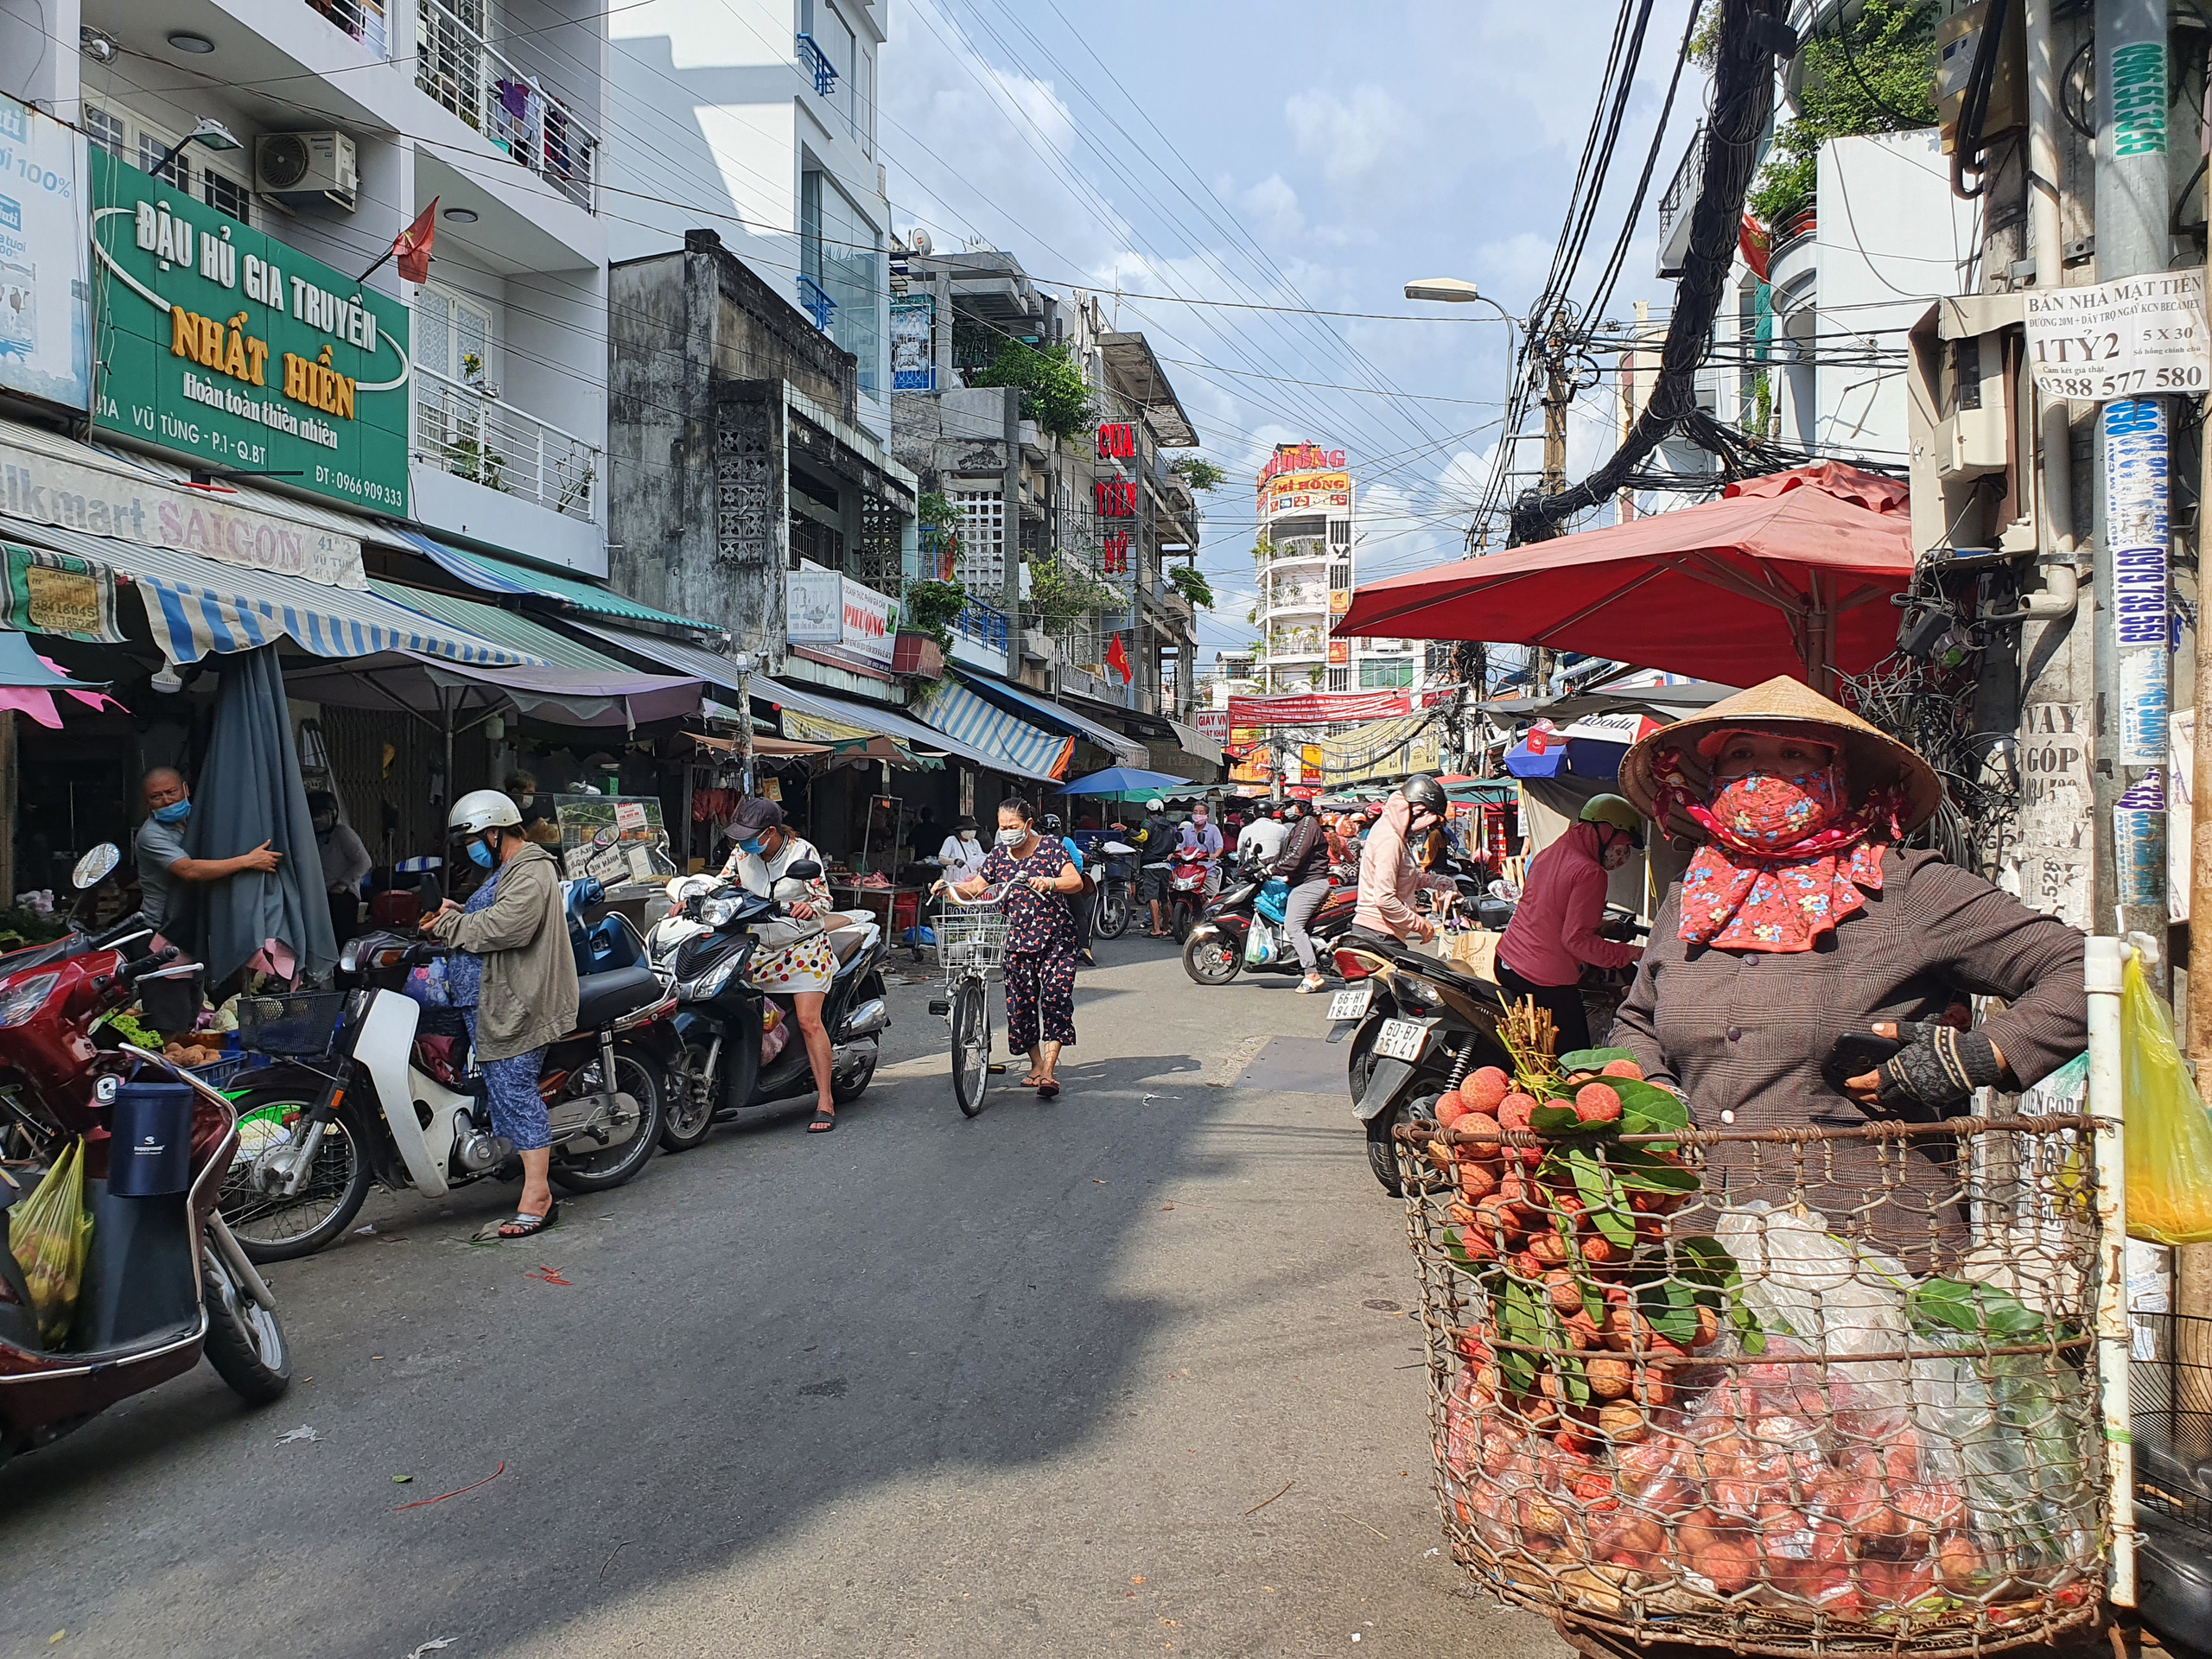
pixel 1117 890
pixel 373 1086
pixel 1418 1025
pixel 93 868
pixel 742 1044
pixel 1244 930
pixel 164 1283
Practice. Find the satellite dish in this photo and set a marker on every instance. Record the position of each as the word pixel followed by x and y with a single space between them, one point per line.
pixel 95 867
pixel 921 242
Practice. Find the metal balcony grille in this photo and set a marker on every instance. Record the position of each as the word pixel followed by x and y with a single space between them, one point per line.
pixel 467 432
pixel 815 62
pixel 457 67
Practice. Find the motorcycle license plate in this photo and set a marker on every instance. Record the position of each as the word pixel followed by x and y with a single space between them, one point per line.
pixel 1351 1004
pixel 1400 1039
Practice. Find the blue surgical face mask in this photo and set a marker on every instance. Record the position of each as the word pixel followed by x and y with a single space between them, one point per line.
pixel 750 849
pixel 174 812
pixel 480 854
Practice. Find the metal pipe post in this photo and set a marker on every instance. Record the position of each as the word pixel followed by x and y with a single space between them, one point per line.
pixel 2102 971
pixel 1010 532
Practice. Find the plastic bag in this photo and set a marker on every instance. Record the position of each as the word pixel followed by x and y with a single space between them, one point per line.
pixel 775 1031
pixel 1835 1296
pixel 50 1234
pixel 2168 1137
pixel 1260 946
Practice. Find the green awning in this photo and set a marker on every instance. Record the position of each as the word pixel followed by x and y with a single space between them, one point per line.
pixel 504 627
pixel 491 575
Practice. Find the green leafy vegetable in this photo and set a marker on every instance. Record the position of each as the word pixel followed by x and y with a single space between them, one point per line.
pixel 1591 1060
pixel 1955 1305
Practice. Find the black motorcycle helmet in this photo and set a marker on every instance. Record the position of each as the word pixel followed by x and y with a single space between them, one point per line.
pixel 1424 791
pixel 1052 824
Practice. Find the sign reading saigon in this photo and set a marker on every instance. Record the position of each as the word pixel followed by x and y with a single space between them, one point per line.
pixel 225 345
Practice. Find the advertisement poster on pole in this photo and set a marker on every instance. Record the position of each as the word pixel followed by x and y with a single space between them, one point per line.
pixel 913 356
pixel 2137 530
pixel 2135 336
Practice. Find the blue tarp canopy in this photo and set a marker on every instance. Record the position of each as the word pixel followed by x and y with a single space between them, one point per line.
pixel 1121 781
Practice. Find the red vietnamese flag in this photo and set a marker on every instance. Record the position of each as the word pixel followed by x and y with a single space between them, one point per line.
pixel 412 247
pixel 1118 660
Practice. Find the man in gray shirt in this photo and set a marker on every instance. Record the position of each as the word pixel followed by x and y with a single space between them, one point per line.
pixel 159 846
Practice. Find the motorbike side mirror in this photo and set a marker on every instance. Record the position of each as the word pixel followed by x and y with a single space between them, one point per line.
pixel 605 836
pixel 805 870
pixel 95 867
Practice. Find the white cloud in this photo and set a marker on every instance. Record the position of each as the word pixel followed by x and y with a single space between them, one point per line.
pixel 1350 136
pixel 1271 206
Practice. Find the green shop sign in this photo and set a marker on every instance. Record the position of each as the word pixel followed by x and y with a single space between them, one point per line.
pixel 221 343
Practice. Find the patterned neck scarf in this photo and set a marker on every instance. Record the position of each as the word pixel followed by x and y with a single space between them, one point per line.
pixel 1783 861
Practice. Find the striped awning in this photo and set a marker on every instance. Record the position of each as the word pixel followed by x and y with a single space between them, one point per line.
pixel 503 576
pixel 198 608
pixel 959 713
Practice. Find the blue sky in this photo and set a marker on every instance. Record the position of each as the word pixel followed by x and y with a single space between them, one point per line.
pixel 1289 155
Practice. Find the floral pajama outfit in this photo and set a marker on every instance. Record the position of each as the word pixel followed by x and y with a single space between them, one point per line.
pixel 1040 947
pixel 511 1085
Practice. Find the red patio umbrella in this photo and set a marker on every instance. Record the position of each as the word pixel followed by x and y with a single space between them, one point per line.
pixel 1788 574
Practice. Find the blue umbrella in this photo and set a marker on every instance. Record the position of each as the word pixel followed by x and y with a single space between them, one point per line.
pixel 1121 781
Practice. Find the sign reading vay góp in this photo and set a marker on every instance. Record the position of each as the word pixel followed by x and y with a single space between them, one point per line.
pixel 2135 336
pixel 225 345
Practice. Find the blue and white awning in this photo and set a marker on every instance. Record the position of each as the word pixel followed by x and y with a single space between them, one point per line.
pixel 197 607
pixel 958 712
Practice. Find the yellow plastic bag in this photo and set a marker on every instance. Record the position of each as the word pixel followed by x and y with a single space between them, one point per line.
pixel 50 1234
pixel 2168 1137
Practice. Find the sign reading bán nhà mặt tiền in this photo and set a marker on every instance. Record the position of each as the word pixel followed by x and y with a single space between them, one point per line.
pixel 222 344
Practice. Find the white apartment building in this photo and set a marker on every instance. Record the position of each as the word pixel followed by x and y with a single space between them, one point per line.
pixel 757 119
pixel 1306 559
pixel 330 125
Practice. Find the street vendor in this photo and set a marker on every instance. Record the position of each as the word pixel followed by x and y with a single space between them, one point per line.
pixel 1802 926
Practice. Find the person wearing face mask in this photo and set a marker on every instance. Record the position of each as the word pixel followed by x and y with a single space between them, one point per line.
pixel 345 862
pixel 515 978
pixel 962 857
pixel 1803 926
pixel 1040 884
pixel 163 864
pixel 1201 835
pixel 1554 933
pixel 1388 877
pixel 803 969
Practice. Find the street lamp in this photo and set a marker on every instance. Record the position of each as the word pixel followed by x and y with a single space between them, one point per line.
pixel 1455 291
pixel 206 130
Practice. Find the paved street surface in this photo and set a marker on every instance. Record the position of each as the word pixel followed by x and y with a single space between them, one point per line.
pixel 1129 1372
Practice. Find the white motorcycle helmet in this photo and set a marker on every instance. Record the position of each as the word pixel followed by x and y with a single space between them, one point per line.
pixel 481 810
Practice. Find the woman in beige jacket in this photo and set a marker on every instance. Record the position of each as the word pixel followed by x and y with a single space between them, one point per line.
pixel 517 977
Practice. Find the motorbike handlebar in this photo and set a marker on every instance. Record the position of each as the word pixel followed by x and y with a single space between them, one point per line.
pixel 146 964
pixel 135 921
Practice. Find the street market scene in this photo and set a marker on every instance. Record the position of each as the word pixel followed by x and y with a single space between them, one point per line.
pixel 825 835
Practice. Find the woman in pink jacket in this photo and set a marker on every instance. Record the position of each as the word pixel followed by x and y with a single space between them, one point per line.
pixel 1387 876
pixel 1553 932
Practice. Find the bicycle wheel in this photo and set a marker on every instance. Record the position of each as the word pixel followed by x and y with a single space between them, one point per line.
pixel 971 1044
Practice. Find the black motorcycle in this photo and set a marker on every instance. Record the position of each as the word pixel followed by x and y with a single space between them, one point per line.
pixel 1417 1025
pixel 703 950
pixel 1117 889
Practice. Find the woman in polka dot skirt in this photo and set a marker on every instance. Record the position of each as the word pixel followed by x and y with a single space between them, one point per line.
pixel 1040 942
pixel 802 971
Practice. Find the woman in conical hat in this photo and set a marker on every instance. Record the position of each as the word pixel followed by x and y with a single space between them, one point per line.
pixel 1802 927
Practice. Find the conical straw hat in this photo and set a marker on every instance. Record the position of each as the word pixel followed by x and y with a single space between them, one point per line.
pixel 1872 759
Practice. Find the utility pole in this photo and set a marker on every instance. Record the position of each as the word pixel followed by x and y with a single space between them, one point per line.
pixel 1558 393
pixel 2133 668
pixel 1010 532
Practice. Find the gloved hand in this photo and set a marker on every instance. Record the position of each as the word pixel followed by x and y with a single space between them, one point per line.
pixel 1939 1067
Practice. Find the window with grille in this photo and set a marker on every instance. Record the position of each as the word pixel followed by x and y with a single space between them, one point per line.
pixel 1340 578
pixel 1340 533
pixel 105 130
pixel 226 196
pixel 1340 679
pixel 1385 676
pixel 980 566
pixel 176 170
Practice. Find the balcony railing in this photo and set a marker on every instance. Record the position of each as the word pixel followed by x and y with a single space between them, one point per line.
pixel 1674 208
pixel 816 303
pixel 815 62
pixel 983 624
pixel 362 19
pixel 468 432
pixel 457 67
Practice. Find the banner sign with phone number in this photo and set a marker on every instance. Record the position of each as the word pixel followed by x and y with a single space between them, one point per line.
pixel 2136 336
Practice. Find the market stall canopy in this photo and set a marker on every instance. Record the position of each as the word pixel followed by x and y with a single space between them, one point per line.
pixel 908 734
pixel 509 628
pixel 1784 575
pixel 438 692
pixel 959 713
pixel 1590 747
pixel 1057 717
pixel 761 745
pixel 492 575
pixel 29 681
pixel 198 608
pixel 1122 780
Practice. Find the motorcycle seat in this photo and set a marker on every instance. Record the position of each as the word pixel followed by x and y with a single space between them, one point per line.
pixel 604 997
pixel 846 942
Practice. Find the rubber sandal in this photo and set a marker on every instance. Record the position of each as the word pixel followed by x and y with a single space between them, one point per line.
pixel 823 1123
pixel 492 1232
pixel 1048 1091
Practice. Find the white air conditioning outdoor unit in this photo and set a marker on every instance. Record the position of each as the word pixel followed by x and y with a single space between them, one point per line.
pixel 294 167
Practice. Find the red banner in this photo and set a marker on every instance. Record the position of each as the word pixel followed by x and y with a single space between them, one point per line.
pixel 1312 709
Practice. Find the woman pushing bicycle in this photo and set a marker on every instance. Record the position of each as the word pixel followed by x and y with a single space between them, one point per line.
pixel 1041 940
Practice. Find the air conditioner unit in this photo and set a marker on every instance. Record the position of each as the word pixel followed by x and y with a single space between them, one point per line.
pixel 304 166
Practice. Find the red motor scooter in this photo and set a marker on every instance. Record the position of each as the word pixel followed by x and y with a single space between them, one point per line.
pixel 164 1282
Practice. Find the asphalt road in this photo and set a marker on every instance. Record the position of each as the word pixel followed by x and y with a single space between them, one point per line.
pixel 1131 1371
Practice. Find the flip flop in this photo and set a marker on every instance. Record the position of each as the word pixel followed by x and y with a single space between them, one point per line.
pixel 823 1123
pixel 492 1232
pixel 1048 1090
